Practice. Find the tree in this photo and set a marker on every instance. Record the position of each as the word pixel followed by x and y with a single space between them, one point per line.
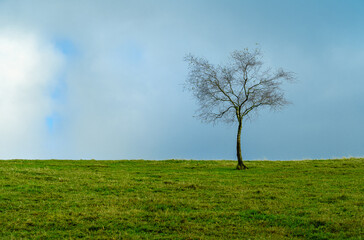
pixel 234 91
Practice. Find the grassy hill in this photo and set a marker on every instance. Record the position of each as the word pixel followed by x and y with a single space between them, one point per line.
pixel 322 199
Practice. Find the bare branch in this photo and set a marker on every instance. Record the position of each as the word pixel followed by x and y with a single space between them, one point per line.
pixel 243 86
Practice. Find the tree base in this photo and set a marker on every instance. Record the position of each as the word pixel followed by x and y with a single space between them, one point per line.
pixel 241 167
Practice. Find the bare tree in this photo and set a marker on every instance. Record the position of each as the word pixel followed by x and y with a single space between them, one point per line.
pixel 233 92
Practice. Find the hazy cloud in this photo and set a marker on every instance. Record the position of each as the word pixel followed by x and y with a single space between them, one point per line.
pixel 103 79
pixel 28 66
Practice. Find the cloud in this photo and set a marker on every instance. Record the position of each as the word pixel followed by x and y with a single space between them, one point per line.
pixel 28 66
pixel 96 79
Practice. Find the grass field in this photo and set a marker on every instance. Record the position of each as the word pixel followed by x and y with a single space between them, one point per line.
pixel 322 199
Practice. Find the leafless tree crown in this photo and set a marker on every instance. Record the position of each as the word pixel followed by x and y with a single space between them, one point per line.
pixel 233 91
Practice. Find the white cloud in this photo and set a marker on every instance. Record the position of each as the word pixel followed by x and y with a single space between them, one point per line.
pixel 27 66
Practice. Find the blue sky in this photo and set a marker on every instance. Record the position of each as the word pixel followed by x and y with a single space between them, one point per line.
pixel 104 79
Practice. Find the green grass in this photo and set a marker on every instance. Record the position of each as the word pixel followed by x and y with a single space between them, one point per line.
pixel 322 199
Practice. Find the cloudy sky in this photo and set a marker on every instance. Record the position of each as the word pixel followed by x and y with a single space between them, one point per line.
pixel 104 79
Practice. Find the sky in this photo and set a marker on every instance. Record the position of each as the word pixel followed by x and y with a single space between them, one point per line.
pixel 104 79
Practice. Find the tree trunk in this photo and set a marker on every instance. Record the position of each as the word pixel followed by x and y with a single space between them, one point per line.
pixel 240 165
